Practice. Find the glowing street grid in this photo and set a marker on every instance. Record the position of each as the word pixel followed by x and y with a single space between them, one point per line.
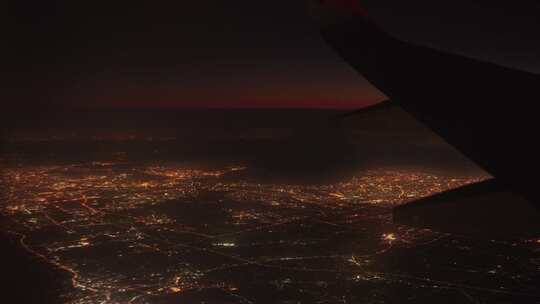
pixel 172 233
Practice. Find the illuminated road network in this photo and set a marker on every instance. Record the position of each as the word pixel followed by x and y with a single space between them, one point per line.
pixel 178 233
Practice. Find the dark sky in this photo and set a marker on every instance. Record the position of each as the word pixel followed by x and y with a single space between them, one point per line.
pixel 240 53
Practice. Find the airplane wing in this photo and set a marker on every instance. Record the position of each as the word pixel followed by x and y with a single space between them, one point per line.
pixel 484 110
pixel 480 209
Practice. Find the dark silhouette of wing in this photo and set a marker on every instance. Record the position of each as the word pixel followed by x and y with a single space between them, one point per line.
pixel 486 111
pixel 376 107
pixel 485 209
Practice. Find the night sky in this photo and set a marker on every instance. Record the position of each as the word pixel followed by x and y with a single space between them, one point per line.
pixel 223 54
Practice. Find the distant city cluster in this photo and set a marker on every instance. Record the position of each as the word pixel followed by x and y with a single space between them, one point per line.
pixel 131 233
